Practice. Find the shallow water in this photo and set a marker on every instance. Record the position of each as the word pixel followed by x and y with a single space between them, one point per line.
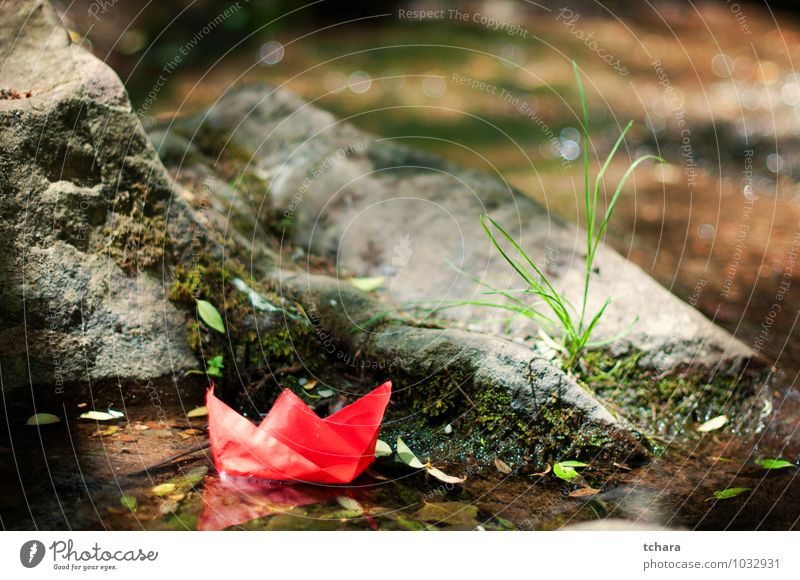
pixel 71 477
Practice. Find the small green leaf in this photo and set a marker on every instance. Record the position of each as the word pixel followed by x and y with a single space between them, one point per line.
pixel 325 392
pixel 775 463
pixel 164 489
pixel 214 364
pixel 368 284
pixel 210 315
pixel 130 502
pixel 197 412
pixel 43 419
pixel 382 449
pixel 729 493
pixel 405 455
pixel 565 471
pixel 572 463
pixel 713 424
pixel 98 416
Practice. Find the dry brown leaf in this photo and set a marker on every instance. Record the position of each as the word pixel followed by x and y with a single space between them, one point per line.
pixel 584 492
pixel 547 470
pixel 502 466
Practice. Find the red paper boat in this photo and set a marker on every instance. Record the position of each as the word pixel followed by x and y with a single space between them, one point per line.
pixel 293 444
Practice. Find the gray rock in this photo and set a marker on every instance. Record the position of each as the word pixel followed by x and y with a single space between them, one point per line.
pixel 87 221
pixel 380 208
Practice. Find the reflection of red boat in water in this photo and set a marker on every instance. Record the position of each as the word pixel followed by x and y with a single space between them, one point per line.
pixel 230 501
pixel 292 443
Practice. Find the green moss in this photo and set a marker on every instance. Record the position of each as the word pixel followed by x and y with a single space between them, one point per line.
pixel 256 342
pixel 488 425
pixel 668 404
pixel 137 235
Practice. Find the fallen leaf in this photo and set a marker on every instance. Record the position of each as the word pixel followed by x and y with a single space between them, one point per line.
pixel 584 492
pixel 325 392
pixel 98 416
pixel 350 504
pixel 197 412
pixel 405 455
pixel 130 502
pixel 775 463
pixel 502 466
pixel 308 385
pixel 164 489
pixel 210 315
pixel 571 463
pixel 382 449
pixel 547 470
pixel 192 432
pixel 106 432
pixel 368 284
pixel 564 470
pixel 443 477
pixel 729 493
pixel 42 419
pixel 115 414
pixel 713 424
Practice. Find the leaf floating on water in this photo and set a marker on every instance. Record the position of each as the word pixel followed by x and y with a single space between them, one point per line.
pixel 350 504
pixel 382 449
pixel 210 315
pixel 129 502
pixel 502 466
pixel 713 424
pixel 775 463
pixel 565 469
pixel 308 385
pixel 405 455
pixel 325 392
pixel 368 284
pixel 43 419
pixel 116 414
pixel 584 492
pixel 443 477
pixel 197 412
pixel 164 489
pixel 729 493
pixel 98 416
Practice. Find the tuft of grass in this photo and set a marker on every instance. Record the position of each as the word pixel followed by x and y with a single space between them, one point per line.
pixel 575 327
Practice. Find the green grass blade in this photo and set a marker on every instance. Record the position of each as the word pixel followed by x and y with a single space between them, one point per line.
pixel 612 204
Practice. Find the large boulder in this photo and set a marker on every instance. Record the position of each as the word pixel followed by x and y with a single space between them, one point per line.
pixel 382 209
pixel 88 221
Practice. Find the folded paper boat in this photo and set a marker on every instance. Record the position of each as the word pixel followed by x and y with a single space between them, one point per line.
pixel 293 443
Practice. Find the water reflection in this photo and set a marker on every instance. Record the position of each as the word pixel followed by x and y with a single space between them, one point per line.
pixel 231 501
